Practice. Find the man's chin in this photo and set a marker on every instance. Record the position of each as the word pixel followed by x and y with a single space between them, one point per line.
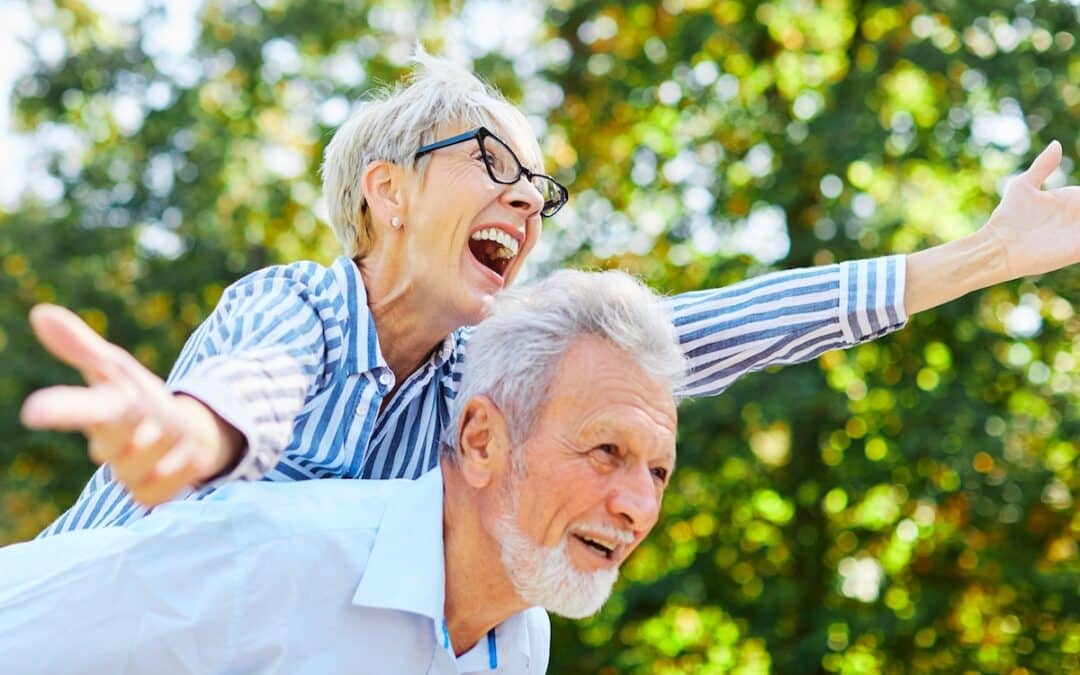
pixel 580 595
pixel 579 610
pixel 545 577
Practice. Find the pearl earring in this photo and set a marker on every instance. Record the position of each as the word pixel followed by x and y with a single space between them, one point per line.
pixel 395 223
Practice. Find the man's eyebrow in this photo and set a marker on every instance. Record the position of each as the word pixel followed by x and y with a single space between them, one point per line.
pixel 672 460
pixel 623 437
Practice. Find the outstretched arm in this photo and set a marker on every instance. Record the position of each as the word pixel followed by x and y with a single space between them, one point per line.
pixel 155 442
pixel 1032 231
pixel 785 317
pixel 795 315
pixel 229 405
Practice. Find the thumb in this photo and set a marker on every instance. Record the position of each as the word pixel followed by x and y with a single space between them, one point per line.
pixel 1043 166
pixel 70 339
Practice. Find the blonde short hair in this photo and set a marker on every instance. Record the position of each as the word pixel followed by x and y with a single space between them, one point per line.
pixel 394 122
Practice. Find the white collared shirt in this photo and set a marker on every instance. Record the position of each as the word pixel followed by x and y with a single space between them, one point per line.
pixel 321 577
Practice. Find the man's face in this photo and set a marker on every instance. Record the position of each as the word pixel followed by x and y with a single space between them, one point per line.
pixel 594 473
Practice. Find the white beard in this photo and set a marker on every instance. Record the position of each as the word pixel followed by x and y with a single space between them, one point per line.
pixel 544 576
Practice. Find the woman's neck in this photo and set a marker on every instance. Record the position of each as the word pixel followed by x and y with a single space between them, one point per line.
pixel 409 328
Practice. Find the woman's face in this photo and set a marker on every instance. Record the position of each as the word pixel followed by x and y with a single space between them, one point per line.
pixel 465 236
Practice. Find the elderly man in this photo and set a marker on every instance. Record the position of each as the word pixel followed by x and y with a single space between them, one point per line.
pixel 564 444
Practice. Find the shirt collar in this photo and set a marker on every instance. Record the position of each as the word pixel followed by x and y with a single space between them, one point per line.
pixel 507 647
pixel 406 570
pixel 362 351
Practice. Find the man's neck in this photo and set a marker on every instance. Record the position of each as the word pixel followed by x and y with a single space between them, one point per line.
pixel 479 594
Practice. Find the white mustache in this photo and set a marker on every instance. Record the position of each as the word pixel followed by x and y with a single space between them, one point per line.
pixel 602 532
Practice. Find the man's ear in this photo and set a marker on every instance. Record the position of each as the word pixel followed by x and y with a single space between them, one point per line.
pixel 383 186
pixel 483 441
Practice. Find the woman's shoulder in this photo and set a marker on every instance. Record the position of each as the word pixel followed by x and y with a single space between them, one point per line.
pixel 303 272
pixel 337 284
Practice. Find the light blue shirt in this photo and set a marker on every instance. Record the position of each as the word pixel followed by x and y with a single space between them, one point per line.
pixel 321 577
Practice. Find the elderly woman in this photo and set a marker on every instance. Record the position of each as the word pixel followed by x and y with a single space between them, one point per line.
pixel 436 194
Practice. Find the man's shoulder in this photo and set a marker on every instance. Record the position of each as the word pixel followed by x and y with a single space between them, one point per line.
pixel 308 506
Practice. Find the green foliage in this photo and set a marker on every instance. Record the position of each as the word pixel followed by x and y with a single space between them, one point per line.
pixel 906 505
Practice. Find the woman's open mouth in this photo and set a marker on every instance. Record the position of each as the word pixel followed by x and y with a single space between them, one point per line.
pixel 494 249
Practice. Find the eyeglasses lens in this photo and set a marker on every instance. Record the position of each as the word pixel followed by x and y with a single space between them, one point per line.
pixel 549 191
pixel 501 160
pixel 506 168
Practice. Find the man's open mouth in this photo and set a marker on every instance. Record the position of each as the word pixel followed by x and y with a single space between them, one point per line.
pixel 494 249
pixel 604 549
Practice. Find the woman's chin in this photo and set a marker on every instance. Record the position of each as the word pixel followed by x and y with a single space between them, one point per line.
pixel 476 310
pixel 475 298
pixel 466 308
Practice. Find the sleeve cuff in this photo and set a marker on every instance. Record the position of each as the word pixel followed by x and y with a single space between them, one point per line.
pixel 254 459
pixel 872 297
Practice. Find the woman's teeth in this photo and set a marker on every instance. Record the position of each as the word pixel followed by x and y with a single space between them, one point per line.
pixel 509 245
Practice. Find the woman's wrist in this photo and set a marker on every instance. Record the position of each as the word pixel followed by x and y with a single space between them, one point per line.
pixel 948 271
pixel 218 442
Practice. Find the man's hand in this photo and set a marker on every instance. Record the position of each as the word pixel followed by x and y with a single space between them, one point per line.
pixel 1032 231
pixel 1039 230
pixel 156 443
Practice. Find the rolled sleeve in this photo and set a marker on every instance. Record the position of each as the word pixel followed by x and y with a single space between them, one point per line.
pixel 784 318
pixel 872 293
pixel 257 359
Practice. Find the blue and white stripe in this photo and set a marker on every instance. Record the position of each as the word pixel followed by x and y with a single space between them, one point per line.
pixel 290 358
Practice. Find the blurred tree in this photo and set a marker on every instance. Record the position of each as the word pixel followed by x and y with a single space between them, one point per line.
pixel 907 505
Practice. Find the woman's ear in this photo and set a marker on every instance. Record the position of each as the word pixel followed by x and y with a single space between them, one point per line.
pixel 383 185
pixel 483 441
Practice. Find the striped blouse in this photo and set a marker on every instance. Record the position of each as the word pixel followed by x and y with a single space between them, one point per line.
pixel 291 359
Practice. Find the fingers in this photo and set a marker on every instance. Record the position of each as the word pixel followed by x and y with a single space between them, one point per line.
pixel 128 433
pixel 66 408
pixel 134 452
pixel 145 450
pixel 1070 194
pixel 68 338
pixel 177 470
pixel 155 465
pixel 1044 165
pixel 126 414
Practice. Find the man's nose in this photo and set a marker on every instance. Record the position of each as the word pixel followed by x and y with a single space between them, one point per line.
pixel 636 499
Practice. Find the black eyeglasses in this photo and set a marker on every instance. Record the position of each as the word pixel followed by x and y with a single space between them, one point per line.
pixel 504 167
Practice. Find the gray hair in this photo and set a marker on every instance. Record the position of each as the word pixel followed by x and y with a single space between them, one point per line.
pixel 514 352
pixel 394 122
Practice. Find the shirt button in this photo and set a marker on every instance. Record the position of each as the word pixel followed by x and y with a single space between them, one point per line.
pixel 385 379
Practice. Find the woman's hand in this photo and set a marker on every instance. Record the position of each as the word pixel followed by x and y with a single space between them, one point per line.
pixel 1032 231
pixel 157 443
pixel 1038 230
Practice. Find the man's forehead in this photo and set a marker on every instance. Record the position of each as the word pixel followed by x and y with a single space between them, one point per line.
pixel 599 384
